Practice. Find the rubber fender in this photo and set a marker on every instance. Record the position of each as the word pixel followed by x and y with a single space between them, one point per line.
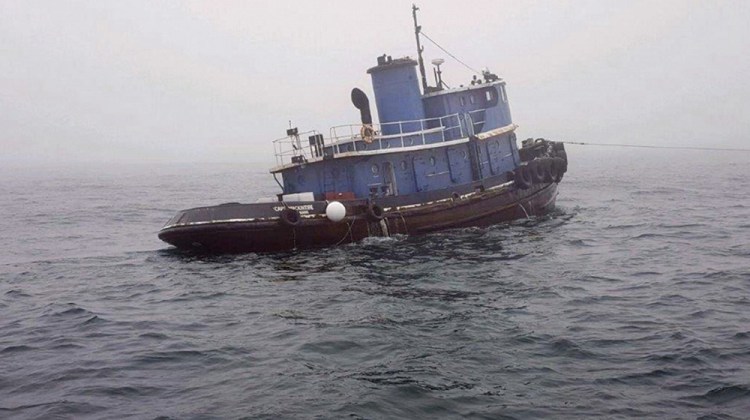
pixel 375 212
pixel 564 156
pixel 549 176
pixel 558 166
pixel 537 171
pixel 289 217
pixel 522 177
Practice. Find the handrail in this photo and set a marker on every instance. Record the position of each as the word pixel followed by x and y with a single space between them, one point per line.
pixel 293 150
pixel 417 132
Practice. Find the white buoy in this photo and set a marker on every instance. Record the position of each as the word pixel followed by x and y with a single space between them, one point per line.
pixel 335 211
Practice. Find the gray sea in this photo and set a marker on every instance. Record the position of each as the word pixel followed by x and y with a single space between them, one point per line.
pixel 631 300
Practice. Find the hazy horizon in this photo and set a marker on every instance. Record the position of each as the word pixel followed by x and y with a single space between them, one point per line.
pixel 106 81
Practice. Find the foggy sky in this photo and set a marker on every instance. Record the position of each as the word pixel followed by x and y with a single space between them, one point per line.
pixel 169 81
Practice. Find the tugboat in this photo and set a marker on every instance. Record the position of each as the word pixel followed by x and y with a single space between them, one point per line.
pixel 439 158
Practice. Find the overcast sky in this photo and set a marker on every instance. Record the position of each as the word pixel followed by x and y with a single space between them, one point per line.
pixel 217 81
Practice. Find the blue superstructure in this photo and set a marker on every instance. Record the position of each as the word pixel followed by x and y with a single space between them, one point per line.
pixel 445 138
pixel 427 138
pixel 397 94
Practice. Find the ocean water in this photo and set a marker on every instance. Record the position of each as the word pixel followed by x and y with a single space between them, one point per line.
pixel 631 300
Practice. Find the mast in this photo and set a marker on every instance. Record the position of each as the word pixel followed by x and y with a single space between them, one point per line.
pixel 418 29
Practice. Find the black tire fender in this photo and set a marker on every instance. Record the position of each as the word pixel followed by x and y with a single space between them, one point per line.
pixel 537 171
pixel 290 217
pixel 564 156
pixel 549 175
pixel 375 212
pixel 558 168
pixel 522 177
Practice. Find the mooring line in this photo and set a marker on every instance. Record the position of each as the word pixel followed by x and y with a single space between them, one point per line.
pixel 349 231
pixel 717 149
pixel 524 210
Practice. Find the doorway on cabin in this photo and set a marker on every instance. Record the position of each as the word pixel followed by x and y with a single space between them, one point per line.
pixel 389 177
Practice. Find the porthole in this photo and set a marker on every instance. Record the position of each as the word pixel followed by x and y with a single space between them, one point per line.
pixel 403 165
pixel 433 162
pixel 375 168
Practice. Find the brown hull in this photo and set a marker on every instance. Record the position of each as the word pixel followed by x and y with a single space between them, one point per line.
pixel 270 235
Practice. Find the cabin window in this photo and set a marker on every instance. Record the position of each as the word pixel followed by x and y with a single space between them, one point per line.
pixel 375 169
pixel 488 94
pixel 432 160
pixel 464 155
pixel 471 99
pixel 403 165
pixel 462 100
pixel 502 94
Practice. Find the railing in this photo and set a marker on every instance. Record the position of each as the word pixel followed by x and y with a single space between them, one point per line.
pixel 291 147
pixel 357 138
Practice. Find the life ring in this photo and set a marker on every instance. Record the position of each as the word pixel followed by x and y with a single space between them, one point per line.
pixel 367 132
pixel 290 217
pixel 536 167
pixel 375 212
pixel 522 177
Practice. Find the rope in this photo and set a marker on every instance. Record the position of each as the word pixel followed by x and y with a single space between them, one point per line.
pixel 719 149
pixel 452 56
pixel 347 233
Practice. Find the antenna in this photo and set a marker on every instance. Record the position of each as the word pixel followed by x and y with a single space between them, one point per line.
pixel 438 74
pixel 417 30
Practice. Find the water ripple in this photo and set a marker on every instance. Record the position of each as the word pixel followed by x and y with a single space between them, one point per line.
pixel 630 301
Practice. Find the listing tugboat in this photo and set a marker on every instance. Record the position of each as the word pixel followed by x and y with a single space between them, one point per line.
pixel 439 158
